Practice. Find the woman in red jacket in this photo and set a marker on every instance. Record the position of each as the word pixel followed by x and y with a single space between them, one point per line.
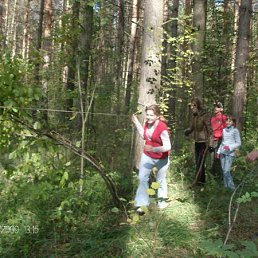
pixel 218 122
pixel 156 154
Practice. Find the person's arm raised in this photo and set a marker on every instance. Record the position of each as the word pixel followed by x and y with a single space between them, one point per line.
pixel 138 125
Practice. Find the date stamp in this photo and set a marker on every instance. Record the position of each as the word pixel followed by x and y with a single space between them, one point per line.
pixel 16 229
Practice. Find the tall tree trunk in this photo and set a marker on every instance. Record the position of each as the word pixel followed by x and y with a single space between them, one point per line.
pixel 150 62
pixel 25 38
pixel 224 72
pixel 3 22
pixel 86 50
pixel 119 54
pixel 242 56
pixel 165 45
pixel 64 70
pixel 86 74
pixel 172 62
pixel 39 39
pixel 165 82
pixel 46 47
pixel 185 70
pixel 199 23
pixel 236 18
pixel 13 28
pixel 73 53
pixel 130 61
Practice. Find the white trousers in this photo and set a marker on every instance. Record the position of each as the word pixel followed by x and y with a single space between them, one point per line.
pixel 146 165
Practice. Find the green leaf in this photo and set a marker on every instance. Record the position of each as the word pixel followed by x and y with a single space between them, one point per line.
pixel 67 164
pixel 65 175
pixel 80 182
pixel 151 191
pixel 155 185
pixel 73 116
pixel 136 218
pixel 250 246
pixel 115 210
pixel 13 155
pixel 78 144
pixel 64 178
pixel 37 125
pixel 231 254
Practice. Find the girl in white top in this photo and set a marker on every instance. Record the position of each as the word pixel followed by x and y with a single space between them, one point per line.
pixel 226 153
pixel 155 154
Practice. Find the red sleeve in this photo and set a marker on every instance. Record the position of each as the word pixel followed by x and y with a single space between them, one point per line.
pixel 224 118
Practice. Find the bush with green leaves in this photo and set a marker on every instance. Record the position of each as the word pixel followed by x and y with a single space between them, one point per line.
pixel 16 76
pixel 217 249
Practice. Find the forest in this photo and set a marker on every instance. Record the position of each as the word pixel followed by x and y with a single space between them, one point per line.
pixel 72 75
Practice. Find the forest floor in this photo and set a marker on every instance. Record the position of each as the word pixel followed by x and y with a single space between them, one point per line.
pixel 194 225
pixel 194 215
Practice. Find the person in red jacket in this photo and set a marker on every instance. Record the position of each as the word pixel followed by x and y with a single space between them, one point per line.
pixel 218 123
pixel 155 154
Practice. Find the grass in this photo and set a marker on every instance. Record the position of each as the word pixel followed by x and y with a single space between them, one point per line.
pixel 193 216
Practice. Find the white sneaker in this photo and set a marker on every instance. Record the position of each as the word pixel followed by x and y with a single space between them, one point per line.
pixel 163 205
pixel 140 212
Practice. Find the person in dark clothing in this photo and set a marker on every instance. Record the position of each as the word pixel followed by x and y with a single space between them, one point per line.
pixel 201 132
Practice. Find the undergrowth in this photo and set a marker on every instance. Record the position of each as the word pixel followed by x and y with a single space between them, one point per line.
pixel 56 220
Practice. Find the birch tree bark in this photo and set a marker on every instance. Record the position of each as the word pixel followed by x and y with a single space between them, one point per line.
pixel 236 18
pixel 13 37
pixel 150 62
pixel 3 21
pixel 47 47
pixel 242 56
pixel 25 38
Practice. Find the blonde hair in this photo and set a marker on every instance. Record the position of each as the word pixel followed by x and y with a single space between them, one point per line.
pixel 155 108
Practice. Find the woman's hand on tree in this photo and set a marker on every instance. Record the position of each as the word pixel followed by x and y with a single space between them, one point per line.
pixel 134 118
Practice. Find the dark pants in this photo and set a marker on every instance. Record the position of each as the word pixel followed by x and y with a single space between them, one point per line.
pixel 216 169
pixel 200 159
